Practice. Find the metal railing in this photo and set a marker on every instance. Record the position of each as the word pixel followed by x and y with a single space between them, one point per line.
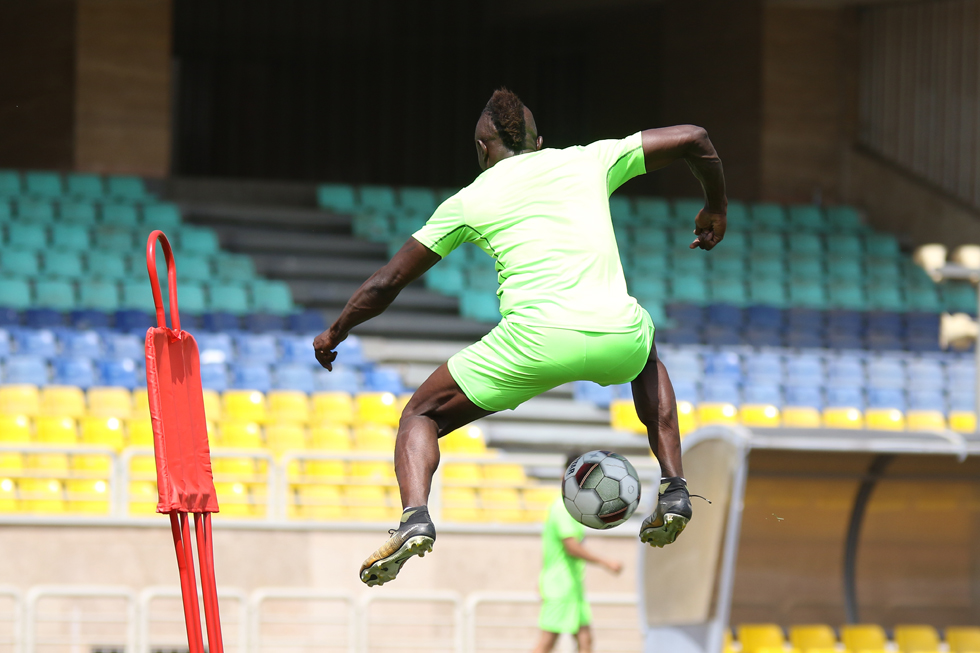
pixel 325 613
pixel 234 623
pixel 66 631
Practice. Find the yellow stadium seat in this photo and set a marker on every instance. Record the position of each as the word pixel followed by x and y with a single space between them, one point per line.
pixel 141 404
pixel 9 502
pixel 374 437
pixel 42 496
pixel 143 498
pixel 622 416
pixel 334 437
pixel 717 413
pixel 963 421
pixel 501 504
pixel 460 504
pixel 687 419
pixel 57 431
pixel 103 431
pixel 465 441
pixel 368 503
pixel 319 502
pixel 234 500
pixel 93 462
pixel 963 639
pixel 240 435
pixel 87 496
pixel 283 437
pixel 377 408
pixel 804 417
pixel 63 401
pixel 212 406
pixel 764 415
pixel 843 418
pixel 925 420
pixel 377 471
pixel 462 474
pixel 504 474
pixel 916 639
pixel 325 470
pixel 289 406
pixel 812 637
pixel 884 419
pixel 726 641
pixel 537 502
pixel 243 406
pixel 139 432
pixel 756 637
pixel 14 430
pixel 863 637
pixel 333 408
pixel 20 400
pixel 110 402
pixel 11 462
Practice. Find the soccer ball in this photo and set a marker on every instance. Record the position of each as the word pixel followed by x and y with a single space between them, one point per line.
pixel 601 489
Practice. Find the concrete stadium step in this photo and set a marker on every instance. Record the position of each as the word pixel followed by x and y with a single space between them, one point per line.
pixel 265 240
pixel 279 218
pixel 290 267
pixel 554 410
pixel 548 438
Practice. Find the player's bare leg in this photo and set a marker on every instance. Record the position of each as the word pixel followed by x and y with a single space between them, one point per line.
pixel 584 639
pixel 656 406
pixel 546 642
pixel 438 407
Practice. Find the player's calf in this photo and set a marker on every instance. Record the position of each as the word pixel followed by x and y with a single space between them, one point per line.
pixel 670 515
pixel 414 536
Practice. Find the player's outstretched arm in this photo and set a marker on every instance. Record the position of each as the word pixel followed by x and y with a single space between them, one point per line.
pixel 663 146
pixel 374 296
pixel 576 549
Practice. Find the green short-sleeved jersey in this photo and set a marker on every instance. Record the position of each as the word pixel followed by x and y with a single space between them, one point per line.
pixel 562 575
pixel 544 217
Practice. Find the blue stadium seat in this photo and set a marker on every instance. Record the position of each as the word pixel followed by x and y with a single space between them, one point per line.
pixel 30 370
pixel 80 344
pixel 592 393
pixel 925 374
pixel 85 186
pixel 886 373
pixel 764 368
pixel 724 314
pixel 256 348
pixel 220 321
pixel 43 184
pixel 43 318
pixel 5 347
pixel 215 347
pixel 132 320
pixel 959 400
pixel 295 377
pixel 845 320
pixel 805 396
pixel 804 370
pixel 804 319
pixel 121 373
pixel 845 371
pixel 886 398
pixel 214 376
pixel 9 183
pixel 723 365
pixel 721 335
pixel 297 350
pixel 121 346
pixel 251 376
pixel 35 211
pixel 718 390
pixel 377 198
pixel 762 336
pixel 264 323
pixel 685 390
pixel 845 397
pixel 78 372
pixel 127 188
pixel 343 378
pixel 39 343
pixel 682 365
pixel 926 399
pixel 338 197
pixel 754 393
pixel 885 322
pixel 383 379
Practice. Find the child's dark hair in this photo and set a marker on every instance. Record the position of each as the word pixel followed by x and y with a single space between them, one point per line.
pixel 507 113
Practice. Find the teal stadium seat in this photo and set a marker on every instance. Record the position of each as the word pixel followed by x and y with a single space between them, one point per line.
pixel 26 236
pixel 959 297
pixel 621 210
pixel 15 294
pixel 768 216
pixel 844 245
pixel 376 227
pixel 805 267
pixel 445 280
pixel 198 240
pixel 6 213
pixel 114 239
pixel 194 267
pixel 883 271
pixel 808 294
pixel 120 215
pixel 686 209
pixel 272 297
pixel 728 266
pixel 161 215
pixel 9 183
pixel 689 262
pixel 35 211
pixel 738 216
pixel 85 186
pixel 127 188
pixel 43 184
pixel 228 298
pixel 78 212
pixel 377 198
pixel 845 267
pixel 652 211
pixel 807 218
pixel 923 298
pixel 407 224
pixel 648 289
pixel 418 200
pixel 726 290
pixel 234 267
pixel 191 298
pixel 881 245
pixel 768 263
pixel 735 242
pixel 688 290
pixel 108 265
pixel 19 262
pixel 804 244
pixel 651 238
pixel 480 306
pixel 844 219
pixel 336 197
pixel 481 277
pixel 765 241
pixel 846 295
pixel 55 294
pixel 651 264
pixel 73 237
pixel 100 295
pixel 67 265
pixel 886 297
pixel 767 291
pixel 137 296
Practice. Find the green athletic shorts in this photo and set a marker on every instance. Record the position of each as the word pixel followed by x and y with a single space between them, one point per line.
pixel 564 615
pixel 515 362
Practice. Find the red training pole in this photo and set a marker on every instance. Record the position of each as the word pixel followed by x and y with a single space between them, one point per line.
pixel 205 555
pixel 188 587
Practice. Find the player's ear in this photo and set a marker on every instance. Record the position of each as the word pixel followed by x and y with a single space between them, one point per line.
pixel 482 154
pixel 539 142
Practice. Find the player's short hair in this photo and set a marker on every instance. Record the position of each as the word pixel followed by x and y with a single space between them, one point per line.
pixel 506 111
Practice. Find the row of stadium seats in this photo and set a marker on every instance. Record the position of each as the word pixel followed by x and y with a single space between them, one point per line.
pixel 51 185
pixel 85 213
pixel 854 638
pixel 74 237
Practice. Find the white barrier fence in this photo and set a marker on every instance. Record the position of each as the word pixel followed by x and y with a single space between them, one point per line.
pixel 107 619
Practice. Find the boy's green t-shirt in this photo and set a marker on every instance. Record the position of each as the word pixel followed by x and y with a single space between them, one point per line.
pixel 562 576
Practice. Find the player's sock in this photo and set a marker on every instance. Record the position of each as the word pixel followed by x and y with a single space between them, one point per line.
pixel 415 535
pixel 670 515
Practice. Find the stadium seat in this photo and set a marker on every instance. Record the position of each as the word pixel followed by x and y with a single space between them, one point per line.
pixel 468 474
pixel 115 239
pixel 460 505
pixel 801 417
pixel 244 406
pixel 712 412
pixel 110 402
pixel 843 219
pixel 326 437
pixel 288 406
pixel 10 183
pixel 118 372
pixel 26 370
pixel 282 437
pixel 21 263
pixel 251 376
pixel 320 502
pixel 504 474
pixel 9 503
pixel 120 215
pixel 43 184
pixel 962 639
pixel 501 505
pixel 339 197
pixel 884 419
pixel 103 431
pixel 863 637
pixel 368 503
pixel 42 496
pixel 817 636
pixel 916 639
pixel 15 294
pixel 843 418
pixel 85 186
pixel 126 188
pixel 468 441
pixel 756 637
pixel 235 268
pixel 161 215
pixel 764 415
pixel 87 496
pixel 377 408
pixel 35 211
pixel 228 298
pixel 20 400
pixel 63 264
pixel 537 501
pixel 332 408
pixel 65 400
pixel 142 498
pixel 374 437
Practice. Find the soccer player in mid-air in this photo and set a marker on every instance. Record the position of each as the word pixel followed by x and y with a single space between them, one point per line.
pixel 543 215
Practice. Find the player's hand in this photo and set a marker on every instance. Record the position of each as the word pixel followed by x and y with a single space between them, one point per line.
pixel 324 346
pixel 709 227
pixel 614 567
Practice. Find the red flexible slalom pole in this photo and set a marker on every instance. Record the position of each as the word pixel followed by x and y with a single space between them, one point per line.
pixel 180 446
